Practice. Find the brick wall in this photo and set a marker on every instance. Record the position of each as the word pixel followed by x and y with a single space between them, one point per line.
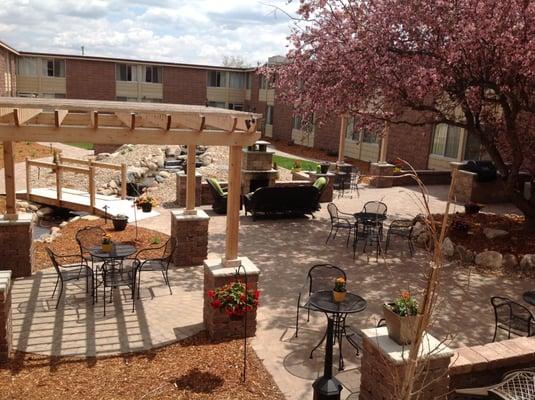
pixel 184 85
pixel 91 80
pixel 7 65
pixel 327 135
pixel 282 121
pixel 16 245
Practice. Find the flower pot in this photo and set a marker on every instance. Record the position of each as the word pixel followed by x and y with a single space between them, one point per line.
pixel 146 207
pixel 400 329
pixel 119 224
pixel 324 168
pixel 106 247
pixel 339 297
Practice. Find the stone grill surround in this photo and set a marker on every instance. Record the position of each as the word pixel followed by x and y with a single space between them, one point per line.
pixel 257 165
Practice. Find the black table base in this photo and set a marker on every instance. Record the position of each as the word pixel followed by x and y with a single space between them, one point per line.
pixel 328 387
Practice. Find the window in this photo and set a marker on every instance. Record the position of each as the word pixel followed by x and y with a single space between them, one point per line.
pixel 235 106
pixel 150 100
pixel 28 66
pixel 263 83
pixel 126 72
pixel 216 79
pixel 446 139
pixel 296 122
pixel 352 132
pixel 124 98
pixel 248 81
pixel 218 104
pixel 54 68
pixel 369 137
pixel 269 115
pixel 153 74
pixel 236 80
pixel 53 95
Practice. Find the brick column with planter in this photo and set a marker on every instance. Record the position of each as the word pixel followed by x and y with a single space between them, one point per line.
pixel 5 315
pixel 382 175
pixel 191 232
pixel 217 323
pixel 384 363
pixel 16 243
pixel 181 188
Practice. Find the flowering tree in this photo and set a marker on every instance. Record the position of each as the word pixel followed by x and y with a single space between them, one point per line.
pixel 468 63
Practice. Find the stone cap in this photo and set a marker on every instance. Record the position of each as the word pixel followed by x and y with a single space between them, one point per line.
pixel 16 219
pixel 5 281
pixel 197 173
pixel 431 347
pixel 183 215
pixel 217 268
pixel 383 165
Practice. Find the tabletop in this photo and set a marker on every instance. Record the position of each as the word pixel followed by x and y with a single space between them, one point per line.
pixel 529 297
pixel 119 250
pixel 323 300
pixel 369 216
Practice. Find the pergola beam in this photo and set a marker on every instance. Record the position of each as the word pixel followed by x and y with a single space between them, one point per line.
pixel 21 116
pixel 59 116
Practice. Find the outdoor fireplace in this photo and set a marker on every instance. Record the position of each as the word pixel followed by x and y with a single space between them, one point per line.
pixel 257 167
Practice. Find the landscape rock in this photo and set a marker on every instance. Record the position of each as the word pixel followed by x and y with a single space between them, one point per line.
pixel 510 260
pixel 55 229
pixel 205 160
pixel 491 233
pixel 44 211
pixel 159 161
pixel 102 156
pixel 528 261
pixel 152 166
pixel 159 178
pixel 89 218
pixel 422 240
pixel 33 207
pixel 448 248
pixel 164 174
pixel 63 224
pixel 418 229
pixel 23 204
pixel 489 259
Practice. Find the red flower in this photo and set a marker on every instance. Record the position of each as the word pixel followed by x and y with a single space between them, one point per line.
pixel 243 298
pixel 216 303
pixel 257 294
pixel 211 293
pixel 229 311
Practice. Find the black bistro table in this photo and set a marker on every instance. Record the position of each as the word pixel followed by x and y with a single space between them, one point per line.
pixel 529 297
pixel 337 312
pixel 113 273
pixel 368 218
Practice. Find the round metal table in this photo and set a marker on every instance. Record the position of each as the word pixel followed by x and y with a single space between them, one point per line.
pixel 529 297
pixel 337 312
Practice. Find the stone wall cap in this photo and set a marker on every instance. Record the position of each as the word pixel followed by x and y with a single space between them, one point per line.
pixel 383 165
pixel 18 219
pixel 219 270
pixel 183 216
pixel 431 347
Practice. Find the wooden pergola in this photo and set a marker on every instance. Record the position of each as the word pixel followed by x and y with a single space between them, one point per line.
pixel 112 122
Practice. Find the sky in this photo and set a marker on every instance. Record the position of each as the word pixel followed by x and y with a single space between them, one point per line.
pixel 185 31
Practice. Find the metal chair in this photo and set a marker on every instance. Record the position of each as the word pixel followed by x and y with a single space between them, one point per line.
pixel 517 385
pixel 376 207
pixel 512 317
pixel 87 238
pixel 354 182
pixel 68 272
pixel 142 263
pixel 339 221
pixel 402 228
pixel 319 277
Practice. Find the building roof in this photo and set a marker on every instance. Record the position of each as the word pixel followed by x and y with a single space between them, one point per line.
pixel 9 48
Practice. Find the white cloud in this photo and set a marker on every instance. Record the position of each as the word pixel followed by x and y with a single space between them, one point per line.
pixel 190 31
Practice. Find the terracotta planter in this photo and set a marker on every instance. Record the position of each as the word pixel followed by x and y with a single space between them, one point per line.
pixel 146 207
pixel 339 297
pixel 106 247
pixel 400 329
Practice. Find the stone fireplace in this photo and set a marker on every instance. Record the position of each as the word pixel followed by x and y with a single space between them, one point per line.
pixel 257 167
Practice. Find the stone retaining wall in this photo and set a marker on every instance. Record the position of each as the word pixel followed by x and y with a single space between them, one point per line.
pixel 5 315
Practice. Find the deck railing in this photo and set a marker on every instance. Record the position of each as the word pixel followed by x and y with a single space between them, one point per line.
pixel 61 166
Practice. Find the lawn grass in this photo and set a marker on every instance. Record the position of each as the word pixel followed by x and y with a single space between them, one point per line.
pixel 87 146
pixel 288 163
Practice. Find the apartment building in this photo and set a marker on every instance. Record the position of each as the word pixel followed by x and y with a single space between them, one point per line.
pixel 103 78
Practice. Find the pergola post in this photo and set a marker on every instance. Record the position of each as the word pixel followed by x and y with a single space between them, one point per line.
pixel 342 143
pixel 233 207
pixel 384 143
pixel 190 180
pixel 9 173
pixel 382 171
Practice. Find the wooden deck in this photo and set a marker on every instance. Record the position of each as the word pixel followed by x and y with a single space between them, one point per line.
pixel 79 201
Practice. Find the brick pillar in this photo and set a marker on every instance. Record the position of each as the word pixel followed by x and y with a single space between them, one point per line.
pixel 181 189
pixel 327 195
pixel 382 173
pixel 191 233
pixel 383 367
pixel 16 243
pixel 5 315
pixel 217 323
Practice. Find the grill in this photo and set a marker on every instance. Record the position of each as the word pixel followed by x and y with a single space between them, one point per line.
pixel 485 170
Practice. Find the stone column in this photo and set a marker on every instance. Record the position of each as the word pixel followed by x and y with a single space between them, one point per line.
pixel 191 233
pixel 382 175
pixel 181 188
pixel 384 362
pixel 16 243
pixel 5 315
pixel 217 323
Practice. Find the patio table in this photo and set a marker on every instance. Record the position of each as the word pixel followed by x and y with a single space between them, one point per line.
pixel 337 312
pixel 529 297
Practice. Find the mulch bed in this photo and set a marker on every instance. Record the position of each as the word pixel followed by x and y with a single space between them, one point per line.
pixel 519 241
pixel 66 243
pixel 193 368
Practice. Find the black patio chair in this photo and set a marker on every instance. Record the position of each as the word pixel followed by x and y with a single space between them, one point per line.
pixel 512 317
pixel 319 277
pixel 354 182
pixel 69 271
pixel 377 207
pixel 339 220
pixel 161 263
pixel 220 196
pixel 87 238
pixel 402 228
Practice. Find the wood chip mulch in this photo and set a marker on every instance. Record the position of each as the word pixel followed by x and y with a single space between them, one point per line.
pixel 21 150
pixel 193 368
pixel 66 243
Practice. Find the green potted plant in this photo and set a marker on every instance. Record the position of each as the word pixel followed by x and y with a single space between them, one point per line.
pixel 120 221
pixel 339 291
pixel 146 203
pixel 324 167
pixel 401 318
pixel 297 166
pixel 234 299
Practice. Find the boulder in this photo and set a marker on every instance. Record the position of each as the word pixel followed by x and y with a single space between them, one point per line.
pixel 489 259
pixel 33 207
pixel 159 161
pixel 510 260
pixel 491 233
pixel 528 261
pixel 89 218
pixel 469 256
pixel 205 160
pixel 112 184
pixel 422 240
pixel 63 224
pixel 55 229
pixel 159 178
pixel 102 156
pixel 418 229
pixel 44 211
pixel 152 166
pixel 164 174
pixel 23 204
pixel 448 248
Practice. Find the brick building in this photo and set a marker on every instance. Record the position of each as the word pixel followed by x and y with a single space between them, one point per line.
pixel 99 78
